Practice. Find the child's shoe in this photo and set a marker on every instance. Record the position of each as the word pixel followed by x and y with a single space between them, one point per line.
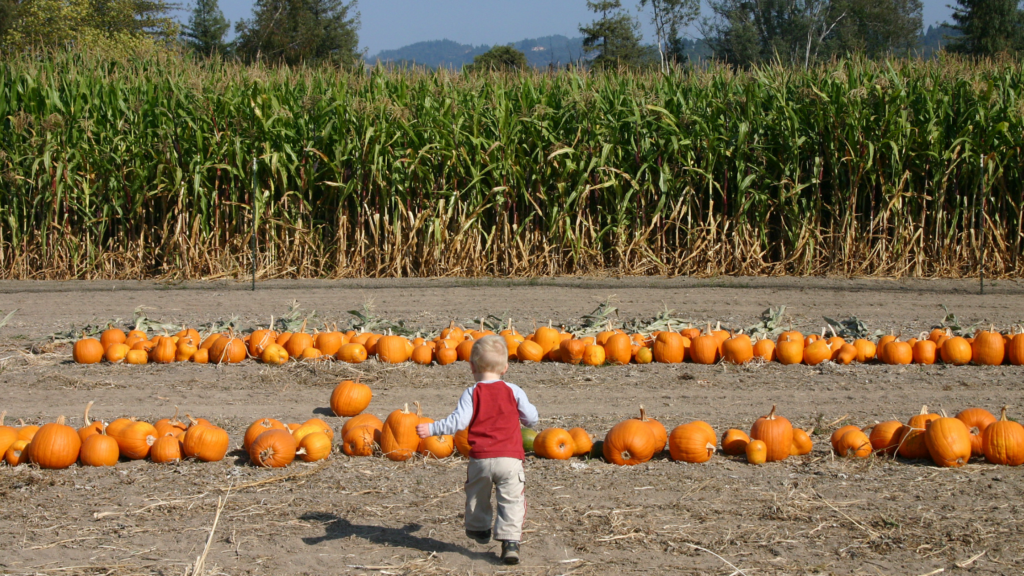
pixel 510 552
pixel 481 536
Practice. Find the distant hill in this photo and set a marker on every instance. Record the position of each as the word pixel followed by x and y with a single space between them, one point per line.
pixel 934 39
pixel 540 52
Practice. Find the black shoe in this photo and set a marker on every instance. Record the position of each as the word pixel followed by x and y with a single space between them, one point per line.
pixel 481 536
pixel 510 552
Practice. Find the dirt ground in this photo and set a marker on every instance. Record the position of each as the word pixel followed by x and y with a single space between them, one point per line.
pixel 808 515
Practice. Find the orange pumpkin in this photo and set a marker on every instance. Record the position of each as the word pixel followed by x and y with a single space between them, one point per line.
pixel 398 439
pixel 88 428
pixel 838 434
pixel 956 351
pixel 88 351
pixel 112 336
pixel 765 350
pixel 350 398
pixel 802 443
pixel 618 349
pixel 777 434
pixel 353 353
pixel 789 350
pixel 593 355
pixel 866 349
pixel 166 449
pixel 756 451
pixel 670 347
pixel 814 354
pixel 259 427
pixel 948 442
pixel 393 349
pixel 55 445
pixel 854 444
pixel 912 442
pixel 314 447
pixel 690 443
pixel 99 450
pixel 135 440
pixel 976 420
pixel 8 435
pixel 116 353
pixel 360 441
pixel 273 449
pixel 988 348
pixel 628 443
pixel 362 420
pixel 205 442
pixel 461 439
pixel 554 444
pixel 1015 351
pixel 582 441
pixel 422 355
pixel 734 442
pixel 1004 442
pixel 227 349
pixel 886 436
pixel 706 348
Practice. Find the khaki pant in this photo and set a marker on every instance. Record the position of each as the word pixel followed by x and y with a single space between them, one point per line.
pixel 509 481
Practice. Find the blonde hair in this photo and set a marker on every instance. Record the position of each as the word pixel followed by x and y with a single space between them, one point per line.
pixel 490 354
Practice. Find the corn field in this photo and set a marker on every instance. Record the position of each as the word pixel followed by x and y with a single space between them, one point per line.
pixel 157 167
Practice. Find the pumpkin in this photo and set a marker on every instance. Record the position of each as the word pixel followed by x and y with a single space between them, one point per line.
pixel 55 446
pixel 898 353
pixel 99 450
pixel 116 353
pixel 764 349
pixel 801 443
pixel 618 349
pixel 362 420
pixel 119 424
pixel 437 446
pixel 360 441
pixel 422 355
pixel 838 434
pixel 866 349
pixel 314 447
pixel 135 440
pixel 205 442
pixel 738 349
pixel 814 354
pixel 885 436
pixel 87 429
pixel 583 443
pixel 976 420
pixel 274 354
pixel 166 449
pixel 273 449
pixel 329 343
pixel 572 350
pixel 948 442
pixel 88 351
pixel 658 430
pixel 1003 442
pixel 259 427
pixel 593 355
pixel 854 444
pixel 756 451
pixel 880 346
pixel 956 351
pixel 447 355
pixel 670 347
pixel 17 453
pixel 789 350
pixel 312 428
pixel 547 337
pixel 8 435
pixel 734 442
pixel 298 342
pixel 689 443
pixel 310 353
pixel 112 336
pixel 644 356
pixel 164 352
pixel 259 340
pixel 629 442
pixel 777 434
pixel 706 348
pixel 27 432
pixel 350 398
pixel 134 336
pixel 988 348
pixel 554 444
pixel 185 349
pixel 353 353
pixel 925 351
pixel 200 357
pixel 136 357
pixel 398 439
pixel 461 439
pixel 845 355
pixel 393 349
pixel 465 349
pixel 1015 351
pixel 227 349
pixel 912 443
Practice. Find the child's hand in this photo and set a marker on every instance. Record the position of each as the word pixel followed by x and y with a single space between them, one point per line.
pixel 423 430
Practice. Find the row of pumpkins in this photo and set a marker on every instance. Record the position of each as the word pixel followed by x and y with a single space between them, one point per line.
pixel 57 445
pixel 949 442
pixel 707 346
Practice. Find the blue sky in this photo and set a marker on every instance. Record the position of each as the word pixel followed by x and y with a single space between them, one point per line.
pixel 391 24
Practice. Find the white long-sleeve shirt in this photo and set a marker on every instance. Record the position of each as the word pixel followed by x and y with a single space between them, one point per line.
pixel 463 414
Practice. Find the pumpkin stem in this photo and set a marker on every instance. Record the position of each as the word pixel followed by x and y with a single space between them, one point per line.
pixel 60 420
pixel 924 409
pixel 643 414
pixel 1002 416
pixel 771 415
pixel 21 422
pixel 4 415
pixel 86 417
pixel 303 328
pixel 406 409
pixel 192 421
pixel 419 411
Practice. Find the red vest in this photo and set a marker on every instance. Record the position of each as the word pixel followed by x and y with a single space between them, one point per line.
pixel 494 431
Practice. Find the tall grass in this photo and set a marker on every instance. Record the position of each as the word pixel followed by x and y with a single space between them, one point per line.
pixel 146 169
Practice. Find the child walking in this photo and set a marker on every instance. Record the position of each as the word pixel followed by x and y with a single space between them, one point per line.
pixel 492 411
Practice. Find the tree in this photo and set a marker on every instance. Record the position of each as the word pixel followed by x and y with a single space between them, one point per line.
pixel 669 17
pixel 876 28
pixel 987 27
pixel 613 39
pixel 8 13
pixel 300 31
pixel 115 27
pixel 498 58
pixel 206 29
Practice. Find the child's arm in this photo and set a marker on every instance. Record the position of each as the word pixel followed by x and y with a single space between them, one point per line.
pixel 527 412
pixel 457 420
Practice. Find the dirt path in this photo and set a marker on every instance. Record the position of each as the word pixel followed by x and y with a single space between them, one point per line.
pixel 813 514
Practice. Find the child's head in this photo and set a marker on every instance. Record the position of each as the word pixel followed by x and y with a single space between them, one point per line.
pixel 489 356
